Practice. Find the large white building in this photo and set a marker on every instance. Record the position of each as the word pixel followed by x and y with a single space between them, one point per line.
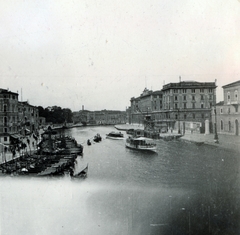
pixel 185 105
pixel 228 111
pixel 8 115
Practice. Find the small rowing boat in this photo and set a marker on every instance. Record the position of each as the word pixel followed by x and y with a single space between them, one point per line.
pixel 115 135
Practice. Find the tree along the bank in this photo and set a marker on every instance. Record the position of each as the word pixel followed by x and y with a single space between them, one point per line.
pixel 56 114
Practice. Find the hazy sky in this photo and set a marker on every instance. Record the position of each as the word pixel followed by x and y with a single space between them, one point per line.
pixel 101 53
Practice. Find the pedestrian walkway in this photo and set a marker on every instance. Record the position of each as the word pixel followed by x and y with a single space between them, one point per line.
pixel 31 144
pixel 230 142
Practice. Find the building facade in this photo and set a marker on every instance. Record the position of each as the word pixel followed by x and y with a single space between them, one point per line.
pixel 42 122
pixel 228 111
pixel 149 102
pixel 182 106
pixel 8 115
pixel 103 117
pixel 28 118
pixel 188 104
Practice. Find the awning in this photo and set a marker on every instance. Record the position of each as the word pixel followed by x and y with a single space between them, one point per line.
pixel 15 136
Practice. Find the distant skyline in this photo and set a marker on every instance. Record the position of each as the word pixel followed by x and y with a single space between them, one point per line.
pixel 101 53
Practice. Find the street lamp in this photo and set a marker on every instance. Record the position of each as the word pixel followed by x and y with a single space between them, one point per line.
pixel 179 132
pixel 215 125
pixel 215 118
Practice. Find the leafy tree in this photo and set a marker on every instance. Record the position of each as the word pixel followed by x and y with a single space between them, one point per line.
pixel 56 114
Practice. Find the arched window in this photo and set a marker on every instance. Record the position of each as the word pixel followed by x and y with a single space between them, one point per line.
pixel 236 95
pixel 228 97
pixel 5 120
pixel 221 124
pixel 229 126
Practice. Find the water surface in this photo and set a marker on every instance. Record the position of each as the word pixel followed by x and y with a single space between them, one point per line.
pixel 181 189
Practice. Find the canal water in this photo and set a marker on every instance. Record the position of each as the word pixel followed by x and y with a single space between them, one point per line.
pixel 181 189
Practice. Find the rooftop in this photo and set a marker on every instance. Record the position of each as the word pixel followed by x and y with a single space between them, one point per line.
pixel 237 83
pixel 6 91
pixel 220 103
pixel 25 103
pixel 189 84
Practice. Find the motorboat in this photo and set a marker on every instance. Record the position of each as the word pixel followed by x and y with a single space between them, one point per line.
pixel 130 131
pixel 115 135
pixel 97 138
pixel 141 143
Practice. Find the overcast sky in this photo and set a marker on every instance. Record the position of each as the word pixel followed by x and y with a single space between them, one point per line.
pixel 101 53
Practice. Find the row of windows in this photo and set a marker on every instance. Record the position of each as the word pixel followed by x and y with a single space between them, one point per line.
pixel 193 116
pixel 235 96
pixel 9 108
pixel 14 97
pixel 192 90
pixel 228 125
pixel 13 107
pixel 185 106
pixel 185 116
pixel 229 110
pixel 10 129
pixel 177 106
pixel 193 97
pixel 10 119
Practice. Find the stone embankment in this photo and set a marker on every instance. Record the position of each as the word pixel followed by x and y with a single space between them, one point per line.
pixel 228 142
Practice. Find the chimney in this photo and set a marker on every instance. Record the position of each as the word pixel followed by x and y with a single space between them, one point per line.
pixel 82 107
pixel 179 78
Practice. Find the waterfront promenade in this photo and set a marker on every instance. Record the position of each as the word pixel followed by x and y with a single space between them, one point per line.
pixel 229 142
pixel 30 149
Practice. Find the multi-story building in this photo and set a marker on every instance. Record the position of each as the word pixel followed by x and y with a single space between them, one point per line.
pixel 83 116
pixel 228 111
pixel 112 117
pixel 103 117
pixel 8 115
pixel 183 106
pixel 42 122
pixel 28 118
pixel 149 102
pixel 188 104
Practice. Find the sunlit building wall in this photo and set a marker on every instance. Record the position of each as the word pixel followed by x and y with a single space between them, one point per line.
pixel 8 115
pixel 183 105
pixel 28 118
pixel 228 111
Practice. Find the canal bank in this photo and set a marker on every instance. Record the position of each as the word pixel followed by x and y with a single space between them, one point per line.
pixel 129 192
pixel 228 142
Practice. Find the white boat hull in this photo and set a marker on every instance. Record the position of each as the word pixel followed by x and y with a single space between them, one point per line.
pixel 142 148
pixel 114 138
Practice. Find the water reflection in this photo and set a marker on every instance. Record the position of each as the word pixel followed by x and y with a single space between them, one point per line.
pixel 183 189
